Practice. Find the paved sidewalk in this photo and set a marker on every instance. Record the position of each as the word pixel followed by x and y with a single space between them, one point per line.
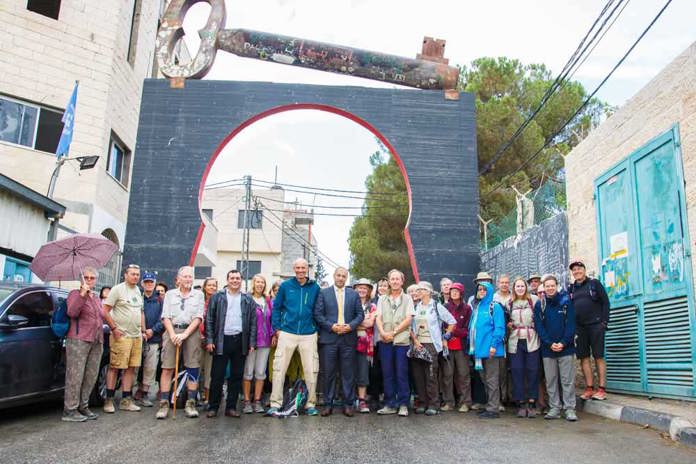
pixel 674 417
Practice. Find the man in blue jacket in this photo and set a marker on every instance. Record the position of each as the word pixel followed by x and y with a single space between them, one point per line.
pixel 338 312
pixel 554 320
pixel 152 307
pixel 293 320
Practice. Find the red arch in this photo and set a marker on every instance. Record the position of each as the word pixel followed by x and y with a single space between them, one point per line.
pixel 309 106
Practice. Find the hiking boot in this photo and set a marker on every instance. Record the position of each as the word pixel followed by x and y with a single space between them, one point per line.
pixel 476 407
pixel 531 411
pixel 258 407
pixel 109 406
pixel 431 412
pixel 570 415
pixel 312 411
pixel 463 408
pixel 127 404
pixel 73 416
pixel 446 407
pixel 87 413
pixel 363 407
pixel 247 409
pixel 271 411
pixel 163 410
pixel 553 414
pixel 145 402
pixel 403 411
pixel 600 394
pixel 587 394
pixel 419 410
pixel 190 409
pixel 522 412
pixel 386 410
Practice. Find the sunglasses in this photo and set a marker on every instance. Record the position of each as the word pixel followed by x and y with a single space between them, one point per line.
pixel 132 266
pixel 89 277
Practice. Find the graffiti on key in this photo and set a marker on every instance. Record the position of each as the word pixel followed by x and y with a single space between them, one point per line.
pixel 430 70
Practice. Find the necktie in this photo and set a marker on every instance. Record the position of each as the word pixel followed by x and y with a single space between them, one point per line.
pixel 339 297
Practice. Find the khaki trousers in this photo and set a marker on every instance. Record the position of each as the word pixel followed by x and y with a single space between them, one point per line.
pixel 306 345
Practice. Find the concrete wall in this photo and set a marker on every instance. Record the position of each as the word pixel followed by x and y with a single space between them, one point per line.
pixel 181 129
pixel 670 98
pixel 541 249
pixel 40 58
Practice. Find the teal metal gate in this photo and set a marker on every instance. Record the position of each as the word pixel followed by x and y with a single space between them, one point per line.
pixel 645 259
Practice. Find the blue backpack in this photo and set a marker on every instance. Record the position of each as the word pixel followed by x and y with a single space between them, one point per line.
pixel 60 322
pixel 294 401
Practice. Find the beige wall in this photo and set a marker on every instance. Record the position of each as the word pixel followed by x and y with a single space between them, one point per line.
pixel 40 59
pixel 669 99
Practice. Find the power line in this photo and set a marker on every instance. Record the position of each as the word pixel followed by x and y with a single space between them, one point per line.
pixel 587 100
pixel 326 189
pixel 302 241
pixel 292 203
pixel 559 83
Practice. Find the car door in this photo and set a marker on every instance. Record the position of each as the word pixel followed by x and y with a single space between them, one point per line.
pixel 27 353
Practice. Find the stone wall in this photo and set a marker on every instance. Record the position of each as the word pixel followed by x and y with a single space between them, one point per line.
pixel 669 99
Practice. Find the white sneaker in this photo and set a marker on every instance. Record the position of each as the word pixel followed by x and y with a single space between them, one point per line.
pixel 403 411
pixel 386 410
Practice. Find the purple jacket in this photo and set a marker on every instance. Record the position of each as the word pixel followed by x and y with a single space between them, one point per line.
pixel 264 331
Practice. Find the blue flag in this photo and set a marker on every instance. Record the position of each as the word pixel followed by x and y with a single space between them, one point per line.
pixel 68 125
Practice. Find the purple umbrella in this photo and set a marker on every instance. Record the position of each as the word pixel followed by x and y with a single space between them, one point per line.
pixel 65 259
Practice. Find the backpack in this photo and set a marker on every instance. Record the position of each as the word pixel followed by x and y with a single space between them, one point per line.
pixel 60 322
pixel 294 401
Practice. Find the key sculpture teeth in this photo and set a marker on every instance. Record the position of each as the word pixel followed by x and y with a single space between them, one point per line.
pixel 429 71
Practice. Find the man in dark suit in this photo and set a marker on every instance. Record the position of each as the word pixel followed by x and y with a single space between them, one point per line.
pixel 338 313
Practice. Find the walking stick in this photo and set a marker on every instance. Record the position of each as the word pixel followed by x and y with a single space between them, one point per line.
pixel 176 379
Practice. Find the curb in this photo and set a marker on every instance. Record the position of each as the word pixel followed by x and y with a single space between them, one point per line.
pixel 680 429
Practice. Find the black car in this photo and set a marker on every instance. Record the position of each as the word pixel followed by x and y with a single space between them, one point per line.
pixel 32 358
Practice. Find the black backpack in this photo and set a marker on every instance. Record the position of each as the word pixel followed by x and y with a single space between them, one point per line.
pixel 593 290
pixel 294 401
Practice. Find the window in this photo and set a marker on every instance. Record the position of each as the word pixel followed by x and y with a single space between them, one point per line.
pixel 35 306
pixel 29 125
pixel 50 8
pixel 118 164
pixel 254 268
pixel 135 25
pixel 208 213
pixel 202 272
pixel 254 218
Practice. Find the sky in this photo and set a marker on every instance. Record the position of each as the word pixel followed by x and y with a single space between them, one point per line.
pixel 533 31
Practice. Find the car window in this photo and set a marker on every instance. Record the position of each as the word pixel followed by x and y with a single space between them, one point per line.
pixel 35 306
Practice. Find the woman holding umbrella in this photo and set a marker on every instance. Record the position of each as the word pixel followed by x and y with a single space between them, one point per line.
pixel 83 348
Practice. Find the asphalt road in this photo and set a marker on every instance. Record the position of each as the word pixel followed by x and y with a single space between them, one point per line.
pixel 36 434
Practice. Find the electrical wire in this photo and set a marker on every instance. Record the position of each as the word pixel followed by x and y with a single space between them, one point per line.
pixel 563 77
pixel 550 139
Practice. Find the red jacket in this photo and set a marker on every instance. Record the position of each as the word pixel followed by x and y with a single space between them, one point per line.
pixel 462 314
pixel 85 313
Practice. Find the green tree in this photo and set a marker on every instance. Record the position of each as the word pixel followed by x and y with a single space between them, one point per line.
pixel 506 93
pixel 376 239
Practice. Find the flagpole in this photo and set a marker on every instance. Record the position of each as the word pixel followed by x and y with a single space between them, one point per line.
pixel 65 139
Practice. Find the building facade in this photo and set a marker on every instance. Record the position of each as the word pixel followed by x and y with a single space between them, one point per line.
pixel 47 46
pixel 631 188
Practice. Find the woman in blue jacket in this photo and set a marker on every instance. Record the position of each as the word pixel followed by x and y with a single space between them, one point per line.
pixel 486 334
pixel 554 320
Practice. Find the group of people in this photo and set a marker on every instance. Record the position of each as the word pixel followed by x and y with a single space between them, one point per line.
pixel 368 347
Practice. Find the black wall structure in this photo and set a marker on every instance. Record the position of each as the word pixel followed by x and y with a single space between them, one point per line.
pixel 181 129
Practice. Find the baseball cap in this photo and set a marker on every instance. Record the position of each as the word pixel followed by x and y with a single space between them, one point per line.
pixel 576 262
pixel 148 275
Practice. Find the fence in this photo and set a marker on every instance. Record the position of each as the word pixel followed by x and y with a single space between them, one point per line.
pixel 532 209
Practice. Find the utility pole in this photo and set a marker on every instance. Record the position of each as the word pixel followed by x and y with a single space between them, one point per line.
pixel 245 232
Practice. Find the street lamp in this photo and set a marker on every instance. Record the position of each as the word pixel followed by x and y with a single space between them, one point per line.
pixel 86 162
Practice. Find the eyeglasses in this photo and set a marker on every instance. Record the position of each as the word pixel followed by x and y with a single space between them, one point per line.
pixel 89 277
